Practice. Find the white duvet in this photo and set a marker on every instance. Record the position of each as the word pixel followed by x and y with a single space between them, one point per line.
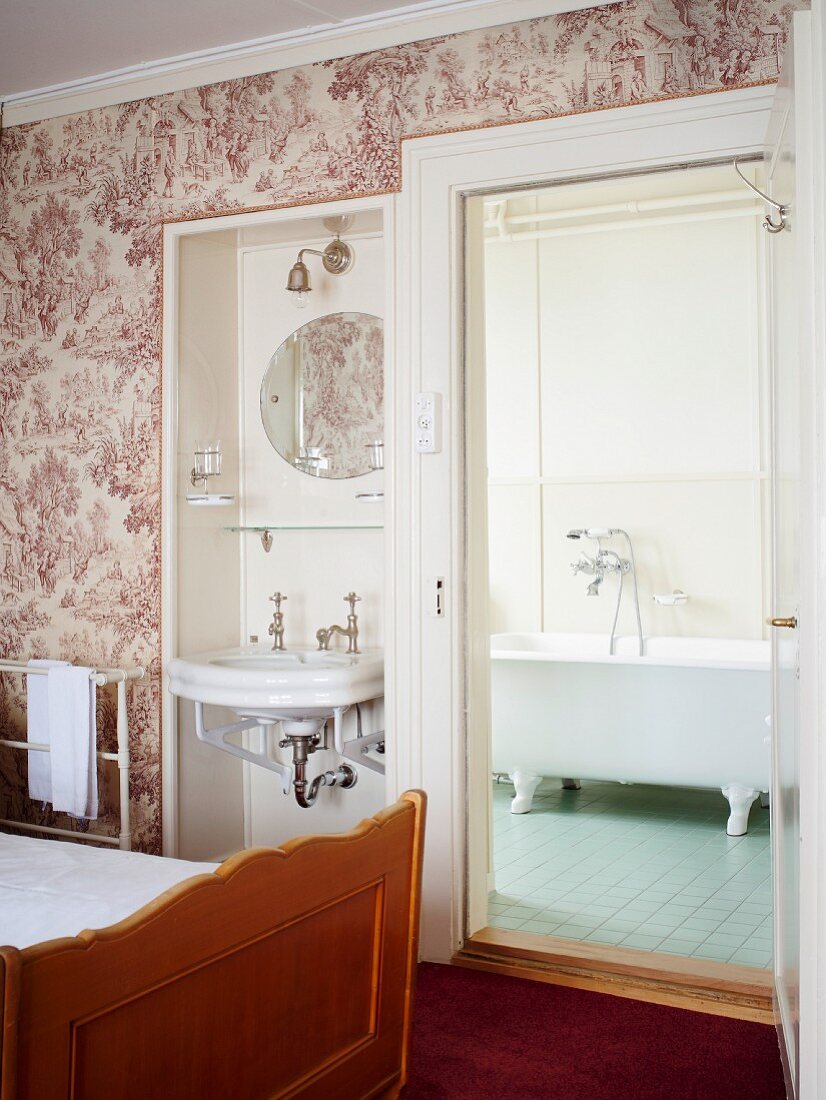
pixel 50 889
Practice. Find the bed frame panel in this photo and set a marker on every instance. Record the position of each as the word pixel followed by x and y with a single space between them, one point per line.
pixel 288 972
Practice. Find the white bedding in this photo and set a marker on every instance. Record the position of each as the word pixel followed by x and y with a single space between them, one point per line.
pixel 50 889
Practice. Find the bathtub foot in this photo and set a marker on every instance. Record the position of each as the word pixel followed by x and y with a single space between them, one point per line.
pixel 525 785
pixel 571 785
pixel 739 800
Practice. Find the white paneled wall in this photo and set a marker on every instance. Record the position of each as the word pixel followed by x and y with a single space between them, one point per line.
pixel 316 568
pixel 207 558
pixel 625 384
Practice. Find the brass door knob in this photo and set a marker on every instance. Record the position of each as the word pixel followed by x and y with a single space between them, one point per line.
pixel 789 623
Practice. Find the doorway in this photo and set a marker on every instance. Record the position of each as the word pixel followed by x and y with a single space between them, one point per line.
pixel 444 741
pixel 628 529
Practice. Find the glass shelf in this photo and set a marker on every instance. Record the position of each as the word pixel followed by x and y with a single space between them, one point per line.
pixel 261 527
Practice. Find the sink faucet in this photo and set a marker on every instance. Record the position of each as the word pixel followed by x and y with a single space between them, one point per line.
pixel 351 633
pixel 276 627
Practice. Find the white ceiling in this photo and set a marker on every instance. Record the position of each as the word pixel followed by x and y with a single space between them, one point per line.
pixel 44 43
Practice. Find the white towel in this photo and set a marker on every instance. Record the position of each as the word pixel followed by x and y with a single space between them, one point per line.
pixel 37 713
pixel 73 741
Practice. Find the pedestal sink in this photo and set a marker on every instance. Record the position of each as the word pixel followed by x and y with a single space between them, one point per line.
pixel 300 688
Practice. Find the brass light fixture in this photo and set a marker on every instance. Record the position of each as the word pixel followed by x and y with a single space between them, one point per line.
pixel 337 259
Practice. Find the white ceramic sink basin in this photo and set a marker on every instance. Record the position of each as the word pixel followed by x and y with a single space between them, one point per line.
pixel 294 683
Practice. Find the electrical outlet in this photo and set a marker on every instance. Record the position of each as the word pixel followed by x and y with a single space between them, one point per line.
pixel 428 423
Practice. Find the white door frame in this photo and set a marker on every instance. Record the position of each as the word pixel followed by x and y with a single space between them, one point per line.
pixel 426 659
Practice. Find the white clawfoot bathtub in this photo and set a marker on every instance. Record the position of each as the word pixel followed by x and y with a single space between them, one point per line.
pixel 690 713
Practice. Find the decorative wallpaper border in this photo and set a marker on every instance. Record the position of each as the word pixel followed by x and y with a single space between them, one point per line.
pixel 82 202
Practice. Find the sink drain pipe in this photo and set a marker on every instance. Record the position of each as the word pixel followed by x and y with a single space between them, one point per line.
pixel 306 792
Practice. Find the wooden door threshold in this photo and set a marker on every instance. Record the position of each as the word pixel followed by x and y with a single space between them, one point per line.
pixel 721 989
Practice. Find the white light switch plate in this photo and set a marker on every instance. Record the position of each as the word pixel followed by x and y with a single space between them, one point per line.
pixel 428 423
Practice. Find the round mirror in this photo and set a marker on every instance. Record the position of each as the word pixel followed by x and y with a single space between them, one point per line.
pixel 322 397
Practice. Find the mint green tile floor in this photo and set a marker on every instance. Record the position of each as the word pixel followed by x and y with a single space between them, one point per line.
pixel 639 866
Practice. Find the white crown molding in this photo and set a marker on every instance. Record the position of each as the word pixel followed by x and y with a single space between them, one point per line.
pixel 305 47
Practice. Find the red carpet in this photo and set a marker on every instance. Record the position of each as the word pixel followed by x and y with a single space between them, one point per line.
pixel 478 1036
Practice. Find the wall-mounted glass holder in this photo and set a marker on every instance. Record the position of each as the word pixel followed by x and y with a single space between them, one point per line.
pixel 207 465
pixel 376 454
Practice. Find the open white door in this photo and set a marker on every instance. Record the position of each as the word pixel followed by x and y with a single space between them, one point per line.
pixel 797 602
pixel 785 794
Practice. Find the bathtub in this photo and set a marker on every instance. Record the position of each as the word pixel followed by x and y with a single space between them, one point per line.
pixel 692 712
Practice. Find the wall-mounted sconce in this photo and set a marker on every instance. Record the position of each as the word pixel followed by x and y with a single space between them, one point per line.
pixel 207 465
pixel 337 259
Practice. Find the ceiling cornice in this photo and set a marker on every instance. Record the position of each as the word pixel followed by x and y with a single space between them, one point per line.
pixel 284 51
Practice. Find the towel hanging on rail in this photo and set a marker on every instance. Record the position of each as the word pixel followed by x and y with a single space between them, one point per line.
pixel 37 720
pixel 61 714
pixel 72 734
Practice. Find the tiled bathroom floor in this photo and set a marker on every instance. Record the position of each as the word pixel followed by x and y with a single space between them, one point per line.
pixel 640 866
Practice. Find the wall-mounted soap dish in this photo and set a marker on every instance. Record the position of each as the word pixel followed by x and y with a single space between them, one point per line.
pixel 671 599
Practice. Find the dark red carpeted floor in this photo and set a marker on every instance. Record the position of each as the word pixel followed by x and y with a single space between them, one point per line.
pixel 478 1036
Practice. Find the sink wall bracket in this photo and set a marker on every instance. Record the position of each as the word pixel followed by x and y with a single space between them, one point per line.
pixel 217 737
pixel 356 748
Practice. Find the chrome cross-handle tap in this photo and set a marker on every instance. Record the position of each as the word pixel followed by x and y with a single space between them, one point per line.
pixel 584 564
pixel 352 599
pixel 351 633
pixel 276 627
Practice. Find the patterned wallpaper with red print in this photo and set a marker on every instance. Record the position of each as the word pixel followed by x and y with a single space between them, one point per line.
pixel 82 200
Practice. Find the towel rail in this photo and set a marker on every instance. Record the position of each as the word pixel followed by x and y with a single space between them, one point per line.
pixel 101 677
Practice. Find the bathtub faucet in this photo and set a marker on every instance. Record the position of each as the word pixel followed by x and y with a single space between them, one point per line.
pixel 604 562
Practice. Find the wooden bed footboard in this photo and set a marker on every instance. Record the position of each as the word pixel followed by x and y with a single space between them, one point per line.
pixel 288 972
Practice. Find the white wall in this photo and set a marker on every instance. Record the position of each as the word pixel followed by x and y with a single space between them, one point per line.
pixel 626 389
pixel 314 567
pixel 210 803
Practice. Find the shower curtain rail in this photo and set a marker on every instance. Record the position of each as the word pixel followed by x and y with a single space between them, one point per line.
pixel 101 677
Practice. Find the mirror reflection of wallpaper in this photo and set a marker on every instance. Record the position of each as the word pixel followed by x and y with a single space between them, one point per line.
pixel 82 202
pixel 342 378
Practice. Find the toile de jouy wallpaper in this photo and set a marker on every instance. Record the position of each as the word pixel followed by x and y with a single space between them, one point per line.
pixel 82 200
